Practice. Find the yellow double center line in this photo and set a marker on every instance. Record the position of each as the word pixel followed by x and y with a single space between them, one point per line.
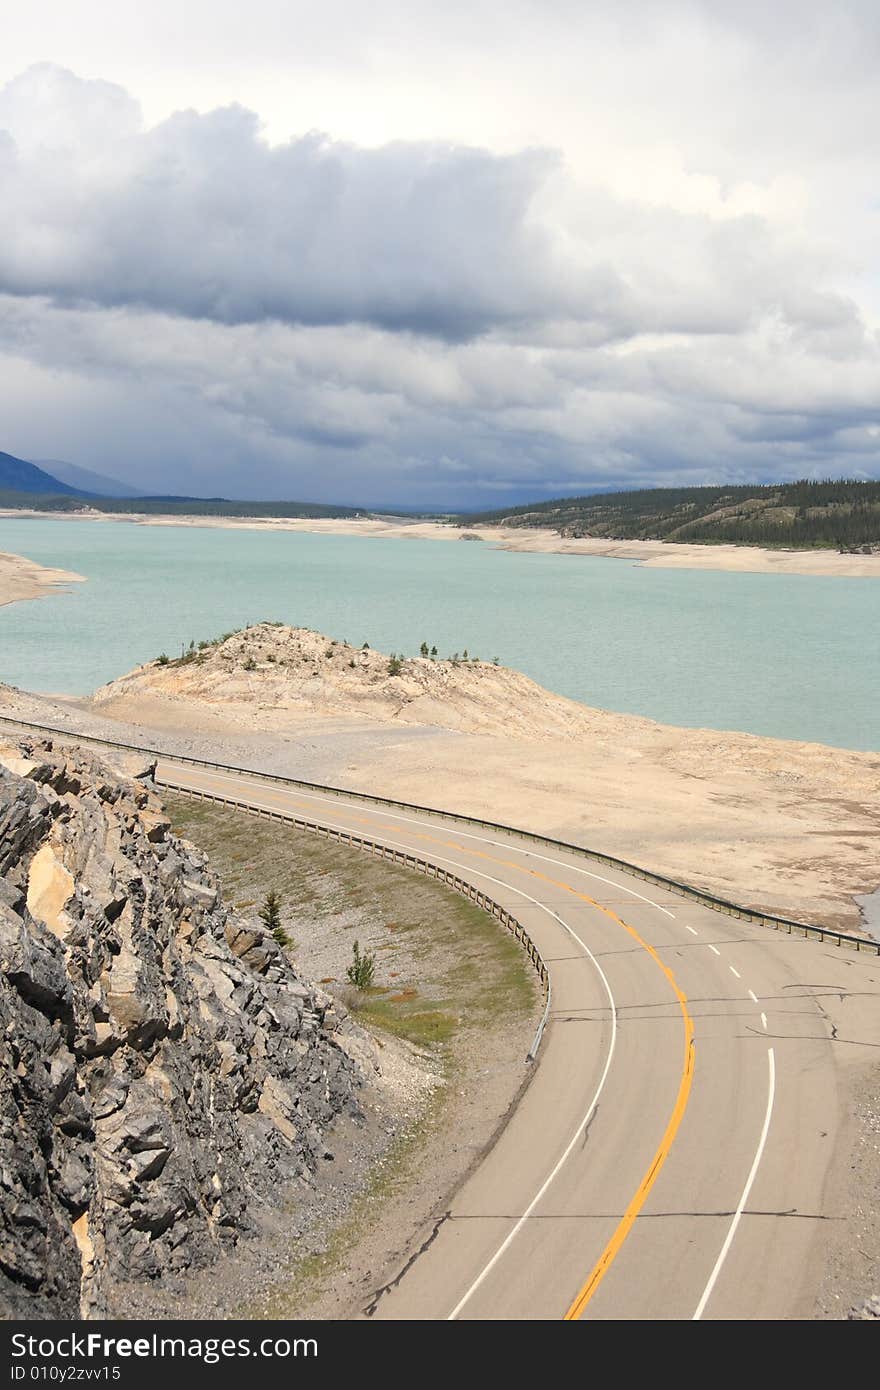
pixel 605 1260
pixel 602 1265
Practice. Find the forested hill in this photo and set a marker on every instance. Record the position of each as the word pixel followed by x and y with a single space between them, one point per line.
pixel 171 506
pixel 842 516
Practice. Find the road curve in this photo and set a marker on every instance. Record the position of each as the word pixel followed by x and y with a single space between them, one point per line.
pixel 669 1159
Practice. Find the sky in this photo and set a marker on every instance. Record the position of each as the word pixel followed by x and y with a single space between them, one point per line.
pixel 449 257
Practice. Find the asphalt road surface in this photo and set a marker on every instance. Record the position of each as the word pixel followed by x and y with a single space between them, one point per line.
pixel 669 1158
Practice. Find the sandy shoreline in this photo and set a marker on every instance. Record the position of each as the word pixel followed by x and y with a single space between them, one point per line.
pixel 740 559
pixel 780 825
pixel 21 579
pixel 784 827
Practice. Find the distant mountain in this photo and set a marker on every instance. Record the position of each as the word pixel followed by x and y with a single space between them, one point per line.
pixel 84 480
pixel 17 475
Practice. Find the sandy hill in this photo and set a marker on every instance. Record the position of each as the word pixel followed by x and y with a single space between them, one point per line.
pixel 787 826
pixel 269 670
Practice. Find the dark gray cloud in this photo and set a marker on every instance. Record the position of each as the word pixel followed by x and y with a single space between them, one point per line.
pixel 360 415
pixel 199 216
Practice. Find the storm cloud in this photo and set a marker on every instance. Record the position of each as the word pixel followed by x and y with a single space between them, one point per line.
pixel 199 216
pixel 588 264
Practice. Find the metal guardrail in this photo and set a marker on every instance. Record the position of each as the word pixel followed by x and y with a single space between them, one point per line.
pixel 684 890
pixel 409 861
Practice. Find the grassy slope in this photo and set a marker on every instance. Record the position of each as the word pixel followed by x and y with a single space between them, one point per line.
pixel 448 980
pixel 441 963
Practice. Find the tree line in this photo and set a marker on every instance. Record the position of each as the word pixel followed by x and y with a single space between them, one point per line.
pixel 843 514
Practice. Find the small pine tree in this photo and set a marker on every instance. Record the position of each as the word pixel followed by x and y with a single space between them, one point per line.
pixel 433 653
pixel 360 972
pixel 395 664
pixel 270 915
pixel 423 649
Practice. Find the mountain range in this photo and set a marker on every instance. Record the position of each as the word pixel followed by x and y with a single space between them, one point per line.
pixel 84 480
pixel 57 478
pixel 17 475
pixel 840 514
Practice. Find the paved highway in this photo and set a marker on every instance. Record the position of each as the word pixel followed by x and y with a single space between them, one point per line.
pixel 669 1159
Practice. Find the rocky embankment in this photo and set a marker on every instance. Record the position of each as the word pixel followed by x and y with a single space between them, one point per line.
pixel 278 672
pixel 164 1073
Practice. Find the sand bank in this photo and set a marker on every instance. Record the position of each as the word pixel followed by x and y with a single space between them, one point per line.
pixel 21 579
pixel 742 559
pixel 790 828
pixel 783 826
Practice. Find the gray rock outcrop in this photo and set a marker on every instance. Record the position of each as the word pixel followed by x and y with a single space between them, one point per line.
pixel 163 1070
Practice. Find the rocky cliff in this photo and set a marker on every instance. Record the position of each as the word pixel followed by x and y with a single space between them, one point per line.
pixel 164 1073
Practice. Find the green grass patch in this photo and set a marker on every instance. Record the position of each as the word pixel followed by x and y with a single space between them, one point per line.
pixel 418 1023
pixel 468 971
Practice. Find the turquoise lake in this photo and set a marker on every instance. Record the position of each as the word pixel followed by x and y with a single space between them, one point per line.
pixel 787 656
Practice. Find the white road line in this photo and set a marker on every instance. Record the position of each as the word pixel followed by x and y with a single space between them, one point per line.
pixel 575 1138
pixel 771 1090
pixel 753 996
pixel 579 1129
pixel 453 830
pixel 734 972
pixel 693 931
pixel 593 1103
pixel 764 1021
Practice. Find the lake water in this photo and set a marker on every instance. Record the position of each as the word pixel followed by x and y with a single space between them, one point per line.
pixel 789 656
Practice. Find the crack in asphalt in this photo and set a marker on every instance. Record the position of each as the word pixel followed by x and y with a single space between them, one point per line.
pixel 791 1212
pixel 371 1307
